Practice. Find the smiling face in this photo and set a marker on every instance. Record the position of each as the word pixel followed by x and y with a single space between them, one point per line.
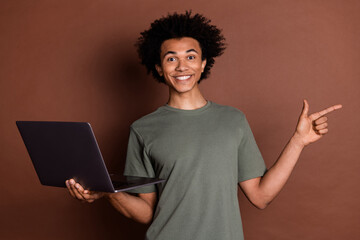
pixel 181 64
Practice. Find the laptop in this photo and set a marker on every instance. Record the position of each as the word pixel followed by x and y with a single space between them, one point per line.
pixel 63 150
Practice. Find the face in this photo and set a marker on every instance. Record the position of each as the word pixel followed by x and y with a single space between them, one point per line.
pixel 181 64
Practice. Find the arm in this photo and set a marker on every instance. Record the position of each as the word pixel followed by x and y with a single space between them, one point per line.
pixel 139 208
pixel 262 190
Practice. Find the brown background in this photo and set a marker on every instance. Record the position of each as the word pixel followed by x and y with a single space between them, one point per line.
pixel 75 61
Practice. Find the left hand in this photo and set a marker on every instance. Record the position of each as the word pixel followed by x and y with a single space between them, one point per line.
pixel 311 128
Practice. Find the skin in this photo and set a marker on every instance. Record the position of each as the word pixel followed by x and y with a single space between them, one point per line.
pixel 310 128
pixel 139 207
pixel 182 58
pixel 181 66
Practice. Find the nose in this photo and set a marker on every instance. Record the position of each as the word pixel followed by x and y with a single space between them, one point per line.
pixel 181 66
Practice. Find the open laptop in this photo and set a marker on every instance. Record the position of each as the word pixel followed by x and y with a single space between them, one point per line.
pixel 64 150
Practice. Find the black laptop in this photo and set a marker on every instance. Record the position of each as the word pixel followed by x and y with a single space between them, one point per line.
pixel 64 150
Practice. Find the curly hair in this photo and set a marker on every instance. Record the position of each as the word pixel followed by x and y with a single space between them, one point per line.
pixel 211 41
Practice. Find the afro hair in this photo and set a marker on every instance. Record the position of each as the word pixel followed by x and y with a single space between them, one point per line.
pixel 211 41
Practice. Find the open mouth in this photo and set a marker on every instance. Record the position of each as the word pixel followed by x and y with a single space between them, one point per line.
pixel 183 78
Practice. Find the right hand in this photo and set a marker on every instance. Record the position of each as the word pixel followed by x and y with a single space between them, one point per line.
pixel 78 192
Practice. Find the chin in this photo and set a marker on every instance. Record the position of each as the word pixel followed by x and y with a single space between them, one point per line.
pixel 184 89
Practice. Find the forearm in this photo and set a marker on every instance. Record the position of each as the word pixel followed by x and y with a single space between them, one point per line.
pixel 310 128
pixel 132 206
pixel 261 191
pixel 276 177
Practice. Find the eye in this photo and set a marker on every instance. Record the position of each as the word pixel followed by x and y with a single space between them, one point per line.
pixel 171 59
pixel 191 57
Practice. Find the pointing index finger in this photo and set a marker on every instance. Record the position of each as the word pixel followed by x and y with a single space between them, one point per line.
pixel 317 115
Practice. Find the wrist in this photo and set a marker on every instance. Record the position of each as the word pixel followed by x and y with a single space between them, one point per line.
pixel 114 196
pixel 107 195
pixel 297 141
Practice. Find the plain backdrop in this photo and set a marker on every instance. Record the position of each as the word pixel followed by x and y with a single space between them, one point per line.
pixel 76 61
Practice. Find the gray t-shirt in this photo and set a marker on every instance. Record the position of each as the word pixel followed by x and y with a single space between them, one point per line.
pixel 202 154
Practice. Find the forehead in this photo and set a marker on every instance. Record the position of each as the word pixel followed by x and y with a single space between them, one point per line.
pixel 180 45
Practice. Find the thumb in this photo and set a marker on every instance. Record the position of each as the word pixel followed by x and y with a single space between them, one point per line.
pixel 305 109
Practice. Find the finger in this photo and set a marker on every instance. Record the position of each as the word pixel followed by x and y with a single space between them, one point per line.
pixel 320 120
pixel 325 111
pixel 81 190
pixel 323 131
pixel 74 187
pixel 320 126
pixel 88 196
pixel 305 109
pixel 84 193
pixel 69 188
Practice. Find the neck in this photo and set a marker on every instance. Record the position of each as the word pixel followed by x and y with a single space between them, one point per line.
pixel 187 101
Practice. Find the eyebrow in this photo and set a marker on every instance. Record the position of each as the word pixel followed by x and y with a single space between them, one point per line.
pixel 187 51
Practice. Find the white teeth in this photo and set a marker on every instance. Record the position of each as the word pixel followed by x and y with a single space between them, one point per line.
pixel 183 77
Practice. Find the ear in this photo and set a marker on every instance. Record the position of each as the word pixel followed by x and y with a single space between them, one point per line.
pixel 159 70
pixel 203 64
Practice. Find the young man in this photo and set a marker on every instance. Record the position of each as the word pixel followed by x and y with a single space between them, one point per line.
pixel 202 149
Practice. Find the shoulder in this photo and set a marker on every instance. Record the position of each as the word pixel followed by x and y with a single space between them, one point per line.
pixel 228 111
pixel 148 120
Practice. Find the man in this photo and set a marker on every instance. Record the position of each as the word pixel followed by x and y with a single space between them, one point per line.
pixel 202 149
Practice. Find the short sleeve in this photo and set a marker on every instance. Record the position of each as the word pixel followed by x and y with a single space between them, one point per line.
pixel 250 162
pixel 138 162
